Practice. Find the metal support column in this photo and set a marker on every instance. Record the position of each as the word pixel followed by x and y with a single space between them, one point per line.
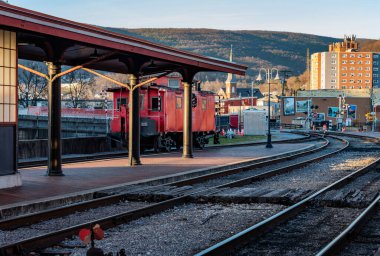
pixel 134 123
pixel 54 125
pixel 187 122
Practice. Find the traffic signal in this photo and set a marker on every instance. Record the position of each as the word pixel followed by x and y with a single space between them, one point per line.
pixel 369 117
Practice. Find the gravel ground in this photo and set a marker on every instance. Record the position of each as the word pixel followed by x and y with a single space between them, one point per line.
pixel 367 242
pixel 183 230
pixel 319 174
pixel 304 235
pixel 7 237
pixel 326 163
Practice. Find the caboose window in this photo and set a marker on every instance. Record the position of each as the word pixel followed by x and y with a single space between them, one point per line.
pixel 178 104
pixel 156 103
pixel 120 102
pixel 173 83
pixel 204 104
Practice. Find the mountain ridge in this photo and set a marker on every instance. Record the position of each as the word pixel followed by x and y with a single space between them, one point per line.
pixel 254 48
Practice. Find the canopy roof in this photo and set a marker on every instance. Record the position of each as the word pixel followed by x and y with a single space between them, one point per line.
pixel 43 37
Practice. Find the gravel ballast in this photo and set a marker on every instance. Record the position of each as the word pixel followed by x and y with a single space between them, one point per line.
pixel 183 230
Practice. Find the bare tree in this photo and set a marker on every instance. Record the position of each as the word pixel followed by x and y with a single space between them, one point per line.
pixel 79 87
pixel 31 87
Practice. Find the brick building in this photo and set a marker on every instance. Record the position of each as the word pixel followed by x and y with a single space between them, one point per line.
pixel 345 67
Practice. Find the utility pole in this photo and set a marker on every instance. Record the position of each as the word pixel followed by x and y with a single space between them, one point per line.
pixel 308 67
pixel 285 74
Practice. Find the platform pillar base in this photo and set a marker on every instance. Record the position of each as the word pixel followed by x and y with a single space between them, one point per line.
pixel 10 181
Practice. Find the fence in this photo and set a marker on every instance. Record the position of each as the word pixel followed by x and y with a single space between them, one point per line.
pixel 71 112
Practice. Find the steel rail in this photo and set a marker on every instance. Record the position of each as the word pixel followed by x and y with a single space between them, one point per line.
pixel 339 241
pixel 52 238
pixel 28 219
pixel 227 245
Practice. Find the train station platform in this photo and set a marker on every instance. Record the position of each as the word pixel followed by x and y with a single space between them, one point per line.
pixel 101 174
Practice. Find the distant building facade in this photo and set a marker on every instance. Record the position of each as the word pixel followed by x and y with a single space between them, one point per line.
pixel 345 67
pixel 232 98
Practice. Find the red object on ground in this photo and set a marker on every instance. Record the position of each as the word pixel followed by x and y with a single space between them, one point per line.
pixel 98 232
pixel 85 235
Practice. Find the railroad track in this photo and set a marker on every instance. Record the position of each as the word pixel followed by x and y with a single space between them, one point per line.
pixel 103 156
pixel 46 240
pixel 306 226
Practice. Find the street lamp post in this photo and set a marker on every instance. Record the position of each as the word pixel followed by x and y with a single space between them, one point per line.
pixel 252 94
pixel 269 76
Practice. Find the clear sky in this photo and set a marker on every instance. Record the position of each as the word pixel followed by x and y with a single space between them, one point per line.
pixel 321 17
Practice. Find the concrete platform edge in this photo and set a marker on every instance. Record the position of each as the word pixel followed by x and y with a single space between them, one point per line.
pixel 26 207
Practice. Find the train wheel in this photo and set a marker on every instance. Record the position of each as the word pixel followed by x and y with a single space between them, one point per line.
pixel 168 144
pixel 201 142
pixel 156 146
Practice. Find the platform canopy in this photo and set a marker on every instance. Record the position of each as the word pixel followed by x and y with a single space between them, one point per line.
pixel 39 34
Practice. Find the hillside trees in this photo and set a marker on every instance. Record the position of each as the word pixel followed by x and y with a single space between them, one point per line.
pixel 31 87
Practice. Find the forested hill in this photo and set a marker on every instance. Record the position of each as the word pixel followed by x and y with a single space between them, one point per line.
pixel 253 48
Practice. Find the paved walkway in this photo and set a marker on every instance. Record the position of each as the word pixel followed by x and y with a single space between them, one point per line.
pixel 101 173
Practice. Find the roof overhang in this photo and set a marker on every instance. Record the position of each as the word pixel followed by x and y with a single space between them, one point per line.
pixel 79 41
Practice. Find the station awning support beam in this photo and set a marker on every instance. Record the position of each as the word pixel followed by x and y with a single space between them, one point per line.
pixel 188 76
pixel 134 122
pixel 54 121
pixel 54 109
pixel 134 111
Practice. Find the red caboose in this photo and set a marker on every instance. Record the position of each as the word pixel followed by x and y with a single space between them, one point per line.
pixel 161 111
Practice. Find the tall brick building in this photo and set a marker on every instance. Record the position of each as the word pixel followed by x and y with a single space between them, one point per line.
pixel 345 67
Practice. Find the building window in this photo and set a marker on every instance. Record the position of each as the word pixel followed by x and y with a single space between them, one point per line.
pixel 333 62
pixel 375 75
pixel 359 87
pixel 367 81
pixel 367 62
pixel 344 62
pixel 204 104
pixel 352 55
pixel 352 81
pixel 156 104
pixel 367 68
pixel 352 74
pixel 8 70
pixel 360 56
pixel 360 81
pixel 178 104
pixel 333 74
pixel 375 56
pixel 333 55
pixel 360 62
pixel 366 86
pixel 375 63
pixel 344 81
pixel 173 83
pixel 360 74
pixel 344 55
pixel 351 87
pixel 343 87
pixel 352 62
pixel 375 81
pixel 344 68
pixel 333 68
pixel 375 69
pixel 360 68
pixel 333 81
pixel 352 68
pixel 367 75
pixel 367 55
pixel 121 102
pixel 344 74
